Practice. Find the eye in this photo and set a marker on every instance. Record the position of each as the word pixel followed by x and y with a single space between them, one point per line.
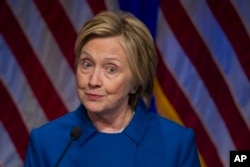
pixel 111 69
pixel 86 64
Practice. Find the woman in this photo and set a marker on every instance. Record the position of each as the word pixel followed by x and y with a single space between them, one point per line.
pixel 115 67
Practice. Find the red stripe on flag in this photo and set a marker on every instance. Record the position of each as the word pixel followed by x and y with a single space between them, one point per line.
pixel 34 72
pixel 186 113
pixel 200 56
pixel 13 122
pixel 62 29
pixel 230 22
pixel 97 6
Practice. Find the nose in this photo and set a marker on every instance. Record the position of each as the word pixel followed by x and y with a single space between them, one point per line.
pixel 95 78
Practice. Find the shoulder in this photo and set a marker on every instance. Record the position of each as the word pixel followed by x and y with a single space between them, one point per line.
pixel 177 140
pixel 170 129
pixel 49 139
pixel 58 126
pixel 164 127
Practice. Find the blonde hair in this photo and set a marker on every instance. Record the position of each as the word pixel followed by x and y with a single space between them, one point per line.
pixel 136 40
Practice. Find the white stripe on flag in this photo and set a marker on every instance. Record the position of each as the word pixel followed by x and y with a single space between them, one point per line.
pixel 8 154
pixel 112 5
pixel 228 64
pixel 194 88
pixel 47 51
pixel 16 83
pixel 78 11
pixel 243 9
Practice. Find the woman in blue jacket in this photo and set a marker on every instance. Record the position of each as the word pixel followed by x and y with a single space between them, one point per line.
pixel 115 68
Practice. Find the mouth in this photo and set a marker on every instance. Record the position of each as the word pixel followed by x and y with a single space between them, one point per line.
pixel 95 97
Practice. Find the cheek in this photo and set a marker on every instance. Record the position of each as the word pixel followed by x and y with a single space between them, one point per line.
pixel 119 87
pixel 81 79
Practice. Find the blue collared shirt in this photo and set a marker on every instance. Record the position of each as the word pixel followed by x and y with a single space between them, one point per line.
pixel 148 141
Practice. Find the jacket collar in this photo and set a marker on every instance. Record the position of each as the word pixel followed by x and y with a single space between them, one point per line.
pixel 135 129
pixel 137 126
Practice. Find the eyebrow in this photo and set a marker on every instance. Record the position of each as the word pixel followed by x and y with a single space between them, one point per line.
pixel 87 55
pixel 84 52
pixel 113 59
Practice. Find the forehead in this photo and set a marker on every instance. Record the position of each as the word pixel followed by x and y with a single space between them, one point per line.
pixel 105 47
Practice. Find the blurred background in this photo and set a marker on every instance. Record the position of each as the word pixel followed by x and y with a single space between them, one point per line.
pixel 202 80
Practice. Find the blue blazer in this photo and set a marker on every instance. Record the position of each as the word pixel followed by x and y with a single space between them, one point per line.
pixel 148 141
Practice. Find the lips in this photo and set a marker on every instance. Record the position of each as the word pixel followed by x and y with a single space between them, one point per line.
pixel 93 96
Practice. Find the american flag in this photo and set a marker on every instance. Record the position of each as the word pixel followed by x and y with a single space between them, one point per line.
pixel 202 80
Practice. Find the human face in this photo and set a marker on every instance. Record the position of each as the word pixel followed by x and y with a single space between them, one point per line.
pixel 103 76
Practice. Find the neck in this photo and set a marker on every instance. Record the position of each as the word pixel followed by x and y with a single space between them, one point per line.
pixel 111 122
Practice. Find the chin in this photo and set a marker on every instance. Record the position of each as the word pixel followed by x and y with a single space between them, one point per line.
pixel 93 110
pixel 93 107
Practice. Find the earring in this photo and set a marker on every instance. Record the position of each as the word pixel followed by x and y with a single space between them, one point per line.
pixel 133 91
